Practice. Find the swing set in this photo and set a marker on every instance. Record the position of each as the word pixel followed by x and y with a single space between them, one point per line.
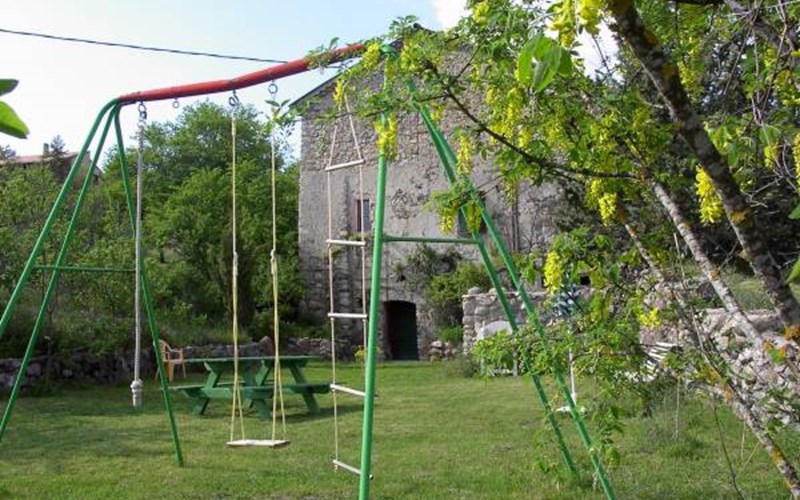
pixel 369 312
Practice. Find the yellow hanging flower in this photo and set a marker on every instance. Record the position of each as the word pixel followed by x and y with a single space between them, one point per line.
pixel 372 56
pixel 553 272
pixel 710 203
pixel 387 137
pixel 447 221
pixel 564 22
pixel 514 107
pixel 608 207
pixel 464 157
pixel 796 149
pixel 594 192
pixel 480 13
pixel 473 217
pixel 590 12
pixel 339 92
pixel 651 318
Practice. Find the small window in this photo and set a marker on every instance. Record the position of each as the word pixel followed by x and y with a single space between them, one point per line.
pixel 363 221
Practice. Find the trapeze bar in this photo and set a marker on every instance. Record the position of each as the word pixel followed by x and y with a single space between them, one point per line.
pixel 354 392
pixel 388 238
pixel 349 468
pixel 347 315
pixel 347 243
pixel 83 269
pixel 348 164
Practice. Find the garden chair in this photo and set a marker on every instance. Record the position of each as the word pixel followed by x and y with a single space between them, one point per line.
pixel 171 357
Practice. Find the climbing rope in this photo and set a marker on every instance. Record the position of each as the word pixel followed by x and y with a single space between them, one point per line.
pixel 137 386
pixel 333 315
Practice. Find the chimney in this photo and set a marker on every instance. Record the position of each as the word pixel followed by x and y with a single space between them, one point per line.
pixel 46 149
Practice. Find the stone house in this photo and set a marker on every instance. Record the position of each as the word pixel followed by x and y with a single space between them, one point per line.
pixel 59 164
pixel 406 328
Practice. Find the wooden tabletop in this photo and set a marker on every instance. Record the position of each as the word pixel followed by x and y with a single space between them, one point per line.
pixel 251 358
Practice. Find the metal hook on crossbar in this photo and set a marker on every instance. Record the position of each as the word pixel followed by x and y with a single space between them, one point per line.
pixel 142 111
pixel 234 100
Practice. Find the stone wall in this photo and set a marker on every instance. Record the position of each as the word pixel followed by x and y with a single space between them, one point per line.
pixel 482 308
pixel 85 366
pixel 755 373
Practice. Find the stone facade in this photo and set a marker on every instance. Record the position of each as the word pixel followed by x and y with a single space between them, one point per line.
pixel 413 177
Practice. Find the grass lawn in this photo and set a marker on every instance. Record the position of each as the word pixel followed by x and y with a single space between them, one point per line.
pixel 437 435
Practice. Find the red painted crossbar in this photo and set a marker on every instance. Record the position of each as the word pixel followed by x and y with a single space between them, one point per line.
pixel 248 80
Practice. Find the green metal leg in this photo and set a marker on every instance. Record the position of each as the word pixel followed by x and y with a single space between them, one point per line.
pixel 51 286
pixel 372 335
pixel 146 294
pixel 448 159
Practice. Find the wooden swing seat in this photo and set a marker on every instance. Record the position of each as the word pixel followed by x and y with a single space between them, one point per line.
pixel 268 443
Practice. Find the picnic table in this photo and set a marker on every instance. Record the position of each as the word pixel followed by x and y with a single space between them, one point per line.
pixel 256 384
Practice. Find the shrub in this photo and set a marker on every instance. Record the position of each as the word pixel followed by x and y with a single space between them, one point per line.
pixel 446 292
pixel 494 354
pixel 453 335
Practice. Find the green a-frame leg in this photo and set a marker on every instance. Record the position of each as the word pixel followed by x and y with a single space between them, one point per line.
pixel 111 114
pixel 448 161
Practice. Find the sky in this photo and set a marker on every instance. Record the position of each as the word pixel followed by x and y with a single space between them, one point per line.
pixel 63 85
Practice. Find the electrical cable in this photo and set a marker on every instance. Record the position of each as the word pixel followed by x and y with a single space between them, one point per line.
pixel 139 47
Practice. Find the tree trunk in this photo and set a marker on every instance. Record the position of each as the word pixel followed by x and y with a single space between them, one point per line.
pixel 665 76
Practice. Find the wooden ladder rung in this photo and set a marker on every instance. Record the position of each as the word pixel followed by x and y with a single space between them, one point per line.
pixel 349 468
pixel 347 315
pixel 348 164
pixel 348 390
pixel 347 243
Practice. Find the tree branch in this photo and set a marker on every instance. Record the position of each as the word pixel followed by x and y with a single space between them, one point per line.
pixel 666 78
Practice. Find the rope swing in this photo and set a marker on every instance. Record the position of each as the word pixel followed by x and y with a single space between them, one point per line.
pixel 137 386
pixel 277 388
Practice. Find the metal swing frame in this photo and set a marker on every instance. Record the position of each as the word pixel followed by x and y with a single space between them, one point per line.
pixel 108 115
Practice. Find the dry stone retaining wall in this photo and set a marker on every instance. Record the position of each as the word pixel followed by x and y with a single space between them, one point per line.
pixel 85 366
pixel 482 308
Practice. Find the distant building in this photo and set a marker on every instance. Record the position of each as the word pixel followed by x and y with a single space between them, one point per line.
pixel 60 164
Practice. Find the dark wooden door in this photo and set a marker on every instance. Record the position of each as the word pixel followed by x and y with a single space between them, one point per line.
pixel 400 327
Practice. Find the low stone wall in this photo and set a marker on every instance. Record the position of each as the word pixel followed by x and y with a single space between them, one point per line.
pixel 481 308
pixel 85 366
pixel 81 365
pixel 757 375
pixel 755 371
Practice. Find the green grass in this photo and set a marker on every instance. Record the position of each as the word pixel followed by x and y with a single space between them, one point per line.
pixel 436 436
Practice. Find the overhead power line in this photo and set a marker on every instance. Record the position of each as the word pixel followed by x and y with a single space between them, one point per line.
pixel 139 47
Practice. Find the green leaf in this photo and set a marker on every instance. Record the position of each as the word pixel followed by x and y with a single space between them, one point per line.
pixel 10 123
pixel 524 65
pixel 769 134
pixel 795 213
pixel 795 272
pixel 540 60
pixel 7 85
pixel 733 154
